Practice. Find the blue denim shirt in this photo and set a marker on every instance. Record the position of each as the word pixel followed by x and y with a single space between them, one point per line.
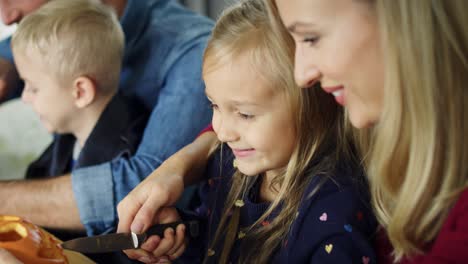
pixel 161 72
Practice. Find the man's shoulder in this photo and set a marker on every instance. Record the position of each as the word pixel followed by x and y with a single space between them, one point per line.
pixel 169 19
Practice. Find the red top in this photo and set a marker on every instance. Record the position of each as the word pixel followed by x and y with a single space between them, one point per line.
pixel 206 129
pixel 450 246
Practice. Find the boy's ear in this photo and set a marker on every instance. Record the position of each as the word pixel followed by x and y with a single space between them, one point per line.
pixel 84 91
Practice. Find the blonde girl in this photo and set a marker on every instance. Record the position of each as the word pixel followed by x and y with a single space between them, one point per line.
pixel 400 68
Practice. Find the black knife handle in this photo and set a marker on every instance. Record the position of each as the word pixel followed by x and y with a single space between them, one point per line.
pixel 191 228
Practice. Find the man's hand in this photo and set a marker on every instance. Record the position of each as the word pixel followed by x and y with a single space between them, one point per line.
pixel 8 78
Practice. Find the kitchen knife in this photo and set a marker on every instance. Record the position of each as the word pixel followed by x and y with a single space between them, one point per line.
pixel 122 241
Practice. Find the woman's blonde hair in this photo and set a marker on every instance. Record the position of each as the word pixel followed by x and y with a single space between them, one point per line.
pixel 74 38
pixel 418 163
pixel 244 29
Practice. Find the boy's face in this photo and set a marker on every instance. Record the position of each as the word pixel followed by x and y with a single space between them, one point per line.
pixel 52 102
pixel 253 119
pixel 12 11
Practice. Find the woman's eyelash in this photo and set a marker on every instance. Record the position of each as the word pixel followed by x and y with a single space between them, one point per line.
pixel 310 40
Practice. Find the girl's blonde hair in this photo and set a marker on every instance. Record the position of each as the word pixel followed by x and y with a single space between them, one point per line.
pixel 245 29
pixel 418 162
pixel 74 38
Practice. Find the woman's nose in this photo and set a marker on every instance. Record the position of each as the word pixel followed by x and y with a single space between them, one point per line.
pixel 305 72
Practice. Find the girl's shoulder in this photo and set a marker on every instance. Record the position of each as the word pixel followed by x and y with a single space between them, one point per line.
pixel 335 223
pixel 343 197
pixel 341 191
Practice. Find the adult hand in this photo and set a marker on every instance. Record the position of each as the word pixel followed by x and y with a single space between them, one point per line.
pixel 7 258
pixel 140 208
pixel 164 186
pixel 8 77
pixel 162 250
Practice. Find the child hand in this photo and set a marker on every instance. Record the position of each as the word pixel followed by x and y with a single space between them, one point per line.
pixel 162 250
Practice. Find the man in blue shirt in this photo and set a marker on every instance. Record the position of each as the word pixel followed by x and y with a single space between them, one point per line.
pixel 162 73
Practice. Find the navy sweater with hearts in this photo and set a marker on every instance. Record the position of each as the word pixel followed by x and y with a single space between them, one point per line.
pixel 334 225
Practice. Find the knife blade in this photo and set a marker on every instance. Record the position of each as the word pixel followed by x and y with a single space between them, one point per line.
pixel 122 241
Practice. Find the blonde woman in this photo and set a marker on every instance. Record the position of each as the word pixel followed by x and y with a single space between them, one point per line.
pixel 400 69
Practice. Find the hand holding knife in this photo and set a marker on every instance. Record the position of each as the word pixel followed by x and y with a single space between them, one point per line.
pixel 122 241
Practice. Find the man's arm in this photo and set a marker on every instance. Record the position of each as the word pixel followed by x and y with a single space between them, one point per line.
pixel 181 111
pixel 48 203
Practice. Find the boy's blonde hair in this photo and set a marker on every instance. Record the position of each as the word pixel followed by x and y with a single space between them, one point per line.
pixel 244 29
pixel 74 38
pixel 419 160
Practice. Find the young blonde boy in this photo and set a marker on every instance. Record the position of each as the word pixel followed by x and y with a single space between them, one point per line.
pixel 69 55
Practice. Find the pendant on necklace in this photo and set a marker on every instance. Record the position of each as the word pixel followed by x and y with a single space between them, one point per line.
pixel 239 203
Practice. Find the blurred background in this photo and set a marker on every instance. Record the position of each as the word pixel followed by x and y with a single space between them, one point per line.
pixel 22 137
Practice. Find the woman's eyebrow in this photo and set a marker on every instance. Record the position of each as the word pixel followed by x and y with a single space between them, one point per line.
pixel 298 27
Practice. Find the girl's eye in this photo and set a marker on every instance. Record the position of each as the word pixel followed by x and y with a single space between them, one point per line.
pixel 246 116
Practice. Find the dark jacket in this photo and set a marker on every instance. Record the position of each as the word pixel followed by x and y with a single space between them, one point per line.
pixel 117 133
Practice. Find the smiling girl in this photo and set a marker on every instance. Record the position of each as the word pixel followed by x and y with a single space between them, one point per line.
pixel 296 194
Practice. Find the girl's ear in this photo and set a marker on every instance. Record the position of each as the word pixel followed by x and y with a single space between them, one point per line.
pixel 84 91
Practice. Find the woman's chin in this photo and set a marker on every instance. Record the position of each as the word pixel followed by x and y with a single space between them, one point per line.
pixel 362 119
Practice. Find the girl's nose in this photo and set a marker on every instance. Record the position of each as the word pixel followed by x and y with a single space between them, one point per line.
pixel 225 131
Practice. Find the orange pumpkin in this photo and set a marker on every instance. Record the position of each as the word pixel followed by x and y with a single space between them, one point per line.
pixel 29 243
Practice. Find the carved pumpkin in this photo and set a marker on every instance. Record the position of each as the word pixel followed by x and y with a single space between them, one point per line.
pixel 29 243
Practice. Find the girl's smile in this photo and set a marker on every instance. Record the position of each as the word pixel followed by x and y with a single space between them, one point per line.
pixel 251 116
pixel 243 153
